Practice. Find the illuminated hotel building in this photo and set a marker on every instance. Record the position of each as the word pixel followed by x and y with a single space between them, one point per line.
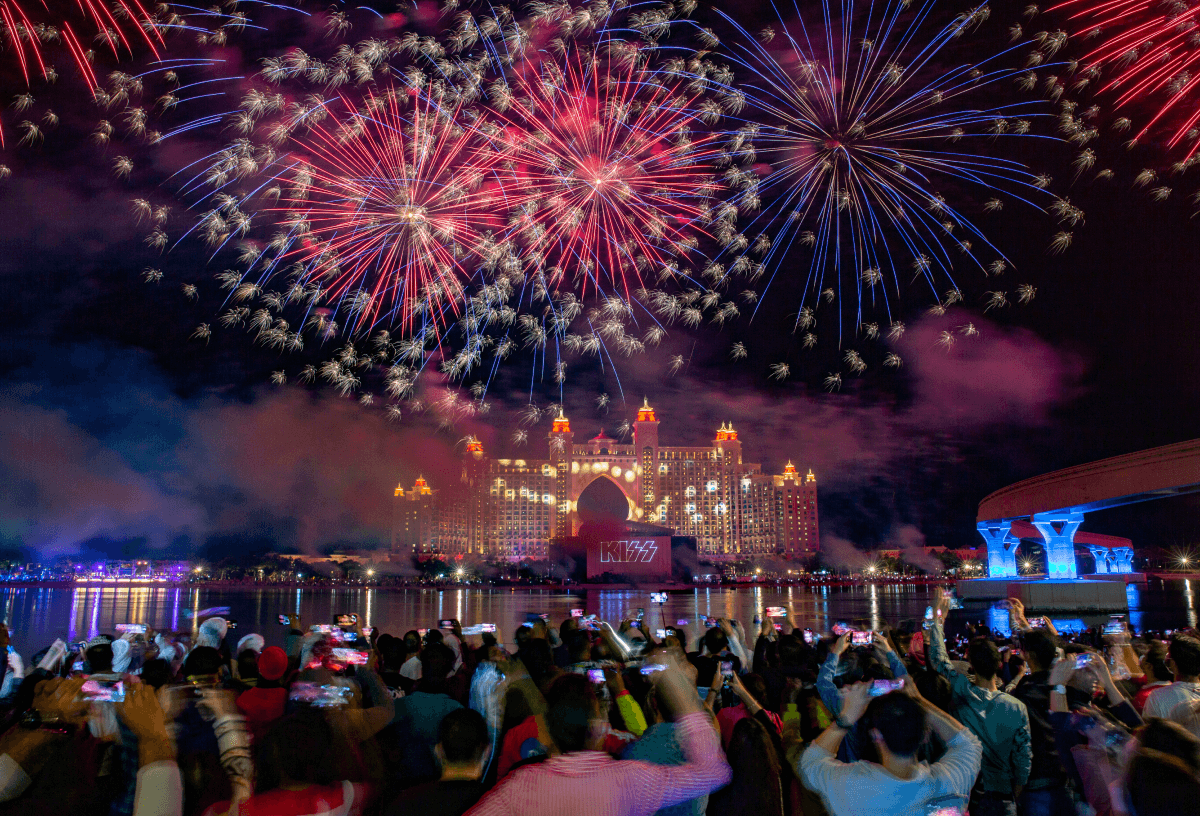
pixel 513 508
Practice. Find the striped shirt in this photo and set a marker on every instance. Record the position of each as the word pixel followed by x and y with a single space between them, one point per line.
pixel 592 783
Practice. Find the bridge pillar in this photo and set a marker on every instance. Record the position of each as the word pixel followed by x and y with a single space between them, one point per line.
pixel 1124 556
pixel 1001 546
pixel 1058 530
pixel 1101 556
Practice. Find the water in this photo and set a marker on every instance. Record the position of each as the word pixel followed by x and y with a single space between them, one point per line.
pixel 37 615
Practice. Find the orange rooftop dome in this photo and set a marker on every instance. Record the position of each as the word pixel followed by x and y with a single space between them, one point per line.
pixel 646 413
pixel 561 425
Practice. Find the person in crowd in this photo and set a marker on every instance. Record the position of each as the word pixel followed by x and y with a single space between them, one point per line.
pixel 1046 792
pixel 418 715
pixel 264 703
pixel 757 785
pixel 899 784
pixel 582 780
pixel 659 745
pixel 1163 774
pixel 295 773
pixel 751 692
pixel 1184 661
pixel 850 666
pixel 1155 673
pixel 462 753
pixel 998 720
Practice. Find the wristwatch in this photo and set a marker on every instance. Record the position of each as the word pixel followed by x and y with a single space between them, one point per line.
pixel 842 724
pixel 1061 689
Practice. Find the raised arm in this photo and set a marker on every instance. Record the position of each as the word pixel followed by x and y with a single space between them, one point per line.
pixel 937 652
pixel 704 768
pixel 825 686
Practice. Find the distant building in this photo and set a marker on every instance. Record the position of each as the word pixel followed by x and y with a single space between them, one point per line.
pixel 512 508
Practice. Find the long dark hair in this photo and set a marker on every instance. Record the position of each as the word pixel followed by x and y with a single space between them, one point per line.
pixel 1161 779
pixel 757 786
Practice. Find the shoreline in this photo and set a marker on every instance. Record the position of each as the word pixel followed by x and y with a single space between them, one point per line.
pixel 648 586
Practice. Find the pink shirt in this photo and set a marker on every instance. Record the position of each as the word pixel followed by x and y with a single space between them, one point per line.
pixel 592 783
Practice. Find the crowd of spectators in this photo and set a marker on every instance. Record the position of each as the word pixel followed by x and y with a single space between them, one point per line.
pixel 588 718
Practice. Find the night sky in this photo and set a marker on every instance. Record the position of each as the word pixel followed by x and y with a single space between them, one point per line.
pixel 119 434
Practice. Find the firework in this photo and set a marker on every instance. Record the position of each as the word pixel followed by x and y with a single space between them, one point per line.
pixel 387 210
pixel 1146 60
pixel 869 138
pixel 120 28
pixel 608 181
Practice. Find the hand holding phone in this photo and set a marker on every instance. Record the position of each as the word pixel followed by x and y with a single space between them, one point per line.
pixel 103 691
pixel 54 655
pixel 882 687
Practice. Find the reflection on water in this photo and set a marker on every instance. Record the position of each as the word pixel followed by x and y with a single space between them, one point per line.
pixel 37 615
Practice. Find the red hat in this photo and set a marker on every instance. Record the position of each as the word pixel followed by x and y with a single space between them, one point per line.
pixel 272 663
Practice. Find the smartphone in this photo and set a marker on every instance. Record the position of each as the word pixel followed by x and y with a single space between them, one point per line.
pixel 368 631
pixel 1115 625
pixel 651 668
pixel 487 627
pixel 1037 623
pixel 779 627
pixel 658 597
pixel 840 628
pixel 727 668
pixel 637 624
pixel 230 624
pixel 103 691
pixel 350 657
pixel 589 625
pixel 1082 660
pixel 596 675
pixel 882 687
pixel 776 612
pixel 955 603
pixel 422 632
pixel 861 638
pixel 810 637
pixel 536 617
pixel 681 622
pixel 710 622
pixel 284 620
pixel 576 613
pixel 134 628
pixel 662 633
pixel 446 624
pixel 319 696
pixel 326 628
pixel 641 613
pixel 346 620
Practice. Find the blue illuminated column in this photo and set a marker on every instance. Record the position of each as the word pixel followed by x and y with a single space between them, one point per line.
pixel 1001 547
pixel 1124 556
pixel 1101 556
pixel 1058 529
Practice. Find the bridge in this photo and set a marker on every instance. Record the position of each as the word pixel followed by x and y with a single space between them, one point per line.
pixel 1054 505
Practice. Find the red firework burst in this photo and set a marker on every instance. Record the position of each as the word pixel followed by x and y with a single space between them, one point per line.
pixel 389 211
pixel 1149 53
pixel 606 181
pixel 28 24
